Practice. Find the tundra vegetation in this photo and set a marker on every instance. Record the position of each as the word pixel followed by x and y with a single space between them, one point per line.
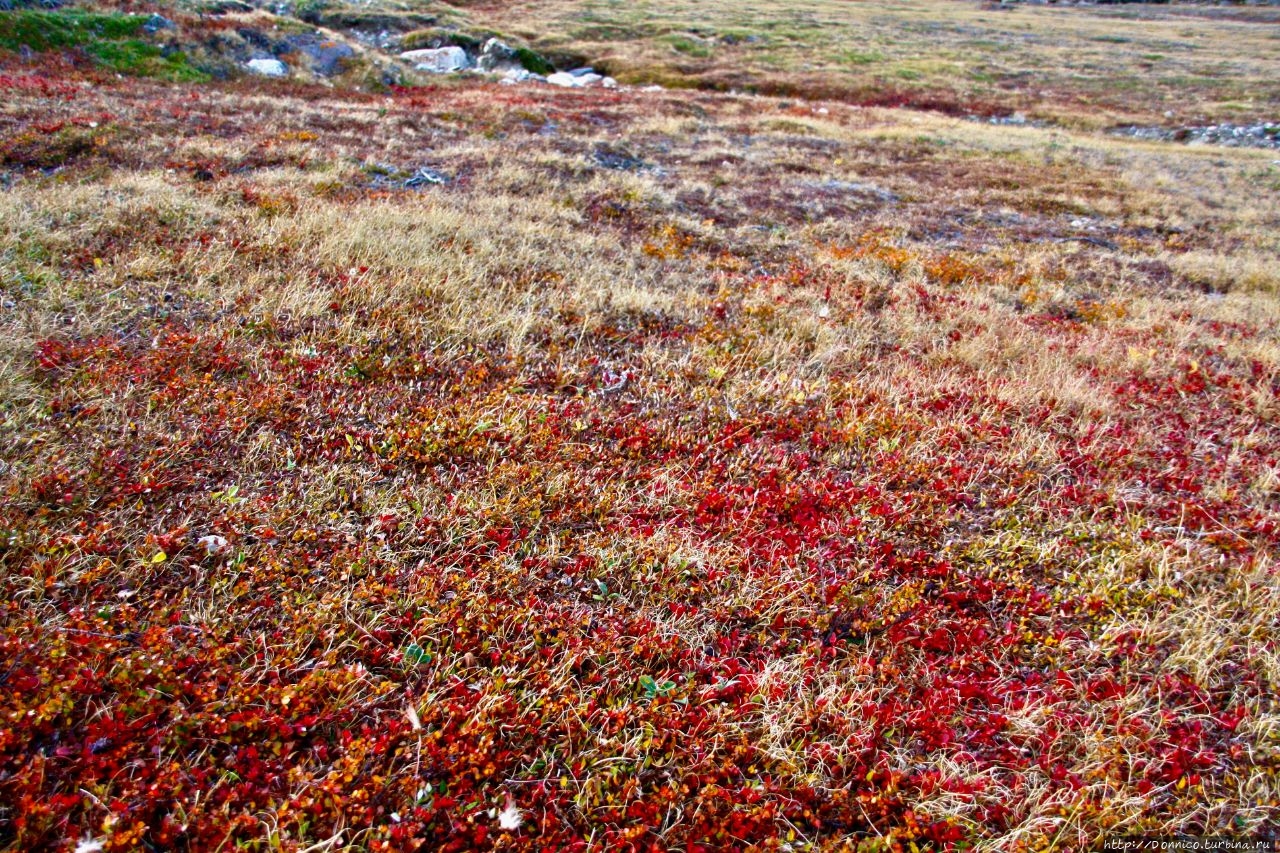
pixel 458 465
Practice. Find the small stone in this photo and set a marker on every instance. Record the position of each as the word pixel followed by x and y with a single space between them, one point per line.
pixel 268 67
pixel 426 176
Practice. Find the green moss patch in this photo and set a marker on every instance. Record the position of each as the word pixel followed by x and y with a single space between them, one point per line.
pixel 111 40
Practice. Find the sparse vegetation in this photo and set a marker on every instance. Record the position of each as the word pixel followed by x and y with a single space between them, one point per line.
pixel 470 466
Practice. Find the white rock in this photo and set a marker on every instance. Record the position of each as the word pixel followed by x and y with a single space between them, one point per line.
pixel 269 67
pixel 609 83
pixel 439 60
pixel 574 81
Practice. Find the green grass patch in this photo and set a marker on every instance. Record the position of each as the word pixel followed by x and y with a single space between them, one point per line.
pixel 41 31
pixel 109 39
pixel 140 59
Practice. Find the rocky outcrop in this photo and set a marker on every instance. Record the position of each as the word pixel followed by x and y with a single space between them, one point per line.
pixel 493 56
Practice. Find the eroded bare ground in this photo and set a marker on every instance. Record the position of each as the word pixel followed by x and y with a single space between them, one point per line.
pixel 685 471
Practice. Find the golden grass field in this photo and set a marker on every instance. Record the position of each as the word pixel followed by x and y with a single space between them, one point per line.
pixel 692 470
